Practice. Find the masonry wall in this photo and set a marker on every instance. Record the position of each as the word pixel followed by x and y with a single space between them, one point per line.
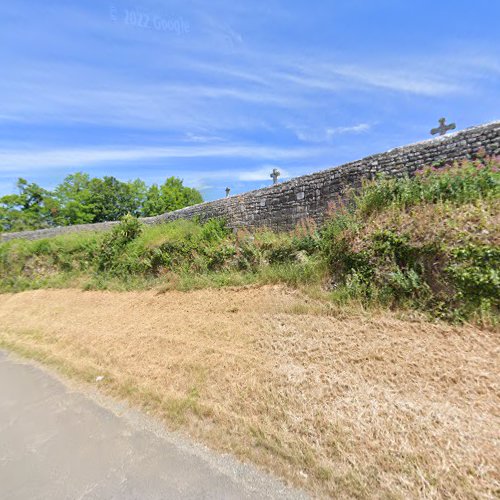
pixel 283 205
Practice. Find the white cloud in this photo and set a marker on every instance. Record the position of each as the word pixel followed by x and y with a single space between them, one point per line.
pixel 203 179
pixel 16 159
pixel 200 138
pixel 285 73
pixel 354 129
pixel 315 135
pixel 262 174
pixel 406 80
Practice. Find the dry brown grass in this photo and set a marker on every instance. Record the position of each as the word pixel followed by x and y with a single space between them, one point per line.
pixel 350 405
pixel 477 223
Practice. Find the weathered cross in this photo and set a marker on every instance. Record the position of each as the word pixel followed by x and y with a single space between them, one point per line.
pixel 228 190
pixel 443 128
pixel 274 175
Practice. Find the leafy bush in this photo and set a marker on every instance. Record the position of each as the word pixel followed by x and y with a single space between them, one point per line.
pixel 115 242
pixel 214 230
pixel 474 270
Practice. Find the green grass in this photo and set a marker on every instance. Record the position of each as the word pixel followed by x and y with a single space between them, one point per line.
pixel 459 184
pixel 429 242
pixel 182 254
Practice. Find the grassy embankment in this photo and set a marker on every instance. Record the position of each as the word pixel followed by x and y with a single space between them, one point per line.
pixel 344 401
pixel 429 243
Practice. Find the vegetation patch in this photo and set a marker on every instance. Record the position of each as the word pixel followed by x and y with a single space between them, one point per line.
pixel 430 242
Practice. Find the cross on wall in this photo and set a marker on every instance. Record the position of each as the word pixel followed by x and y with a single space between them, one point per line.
pixel 443 128
pixel 274 175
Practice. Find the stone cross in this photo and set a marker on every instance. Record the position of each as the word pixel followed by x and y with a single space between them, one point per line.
pixel 443 128
pixel 228 190
pixel 274 175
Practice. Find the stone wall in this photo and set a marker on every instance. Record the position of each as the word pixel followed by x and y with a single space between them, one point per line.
pixel 283 205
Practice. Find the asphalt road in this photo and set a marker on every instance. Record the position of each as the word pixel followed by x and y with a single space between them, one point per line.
pixel 62 443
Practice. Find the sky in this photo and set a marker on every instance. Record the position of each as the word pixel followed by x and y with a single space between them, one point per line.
pixel 220 92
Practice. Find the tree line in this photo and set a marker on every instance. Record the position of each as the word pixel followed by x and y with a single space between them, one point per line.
pixel 81 199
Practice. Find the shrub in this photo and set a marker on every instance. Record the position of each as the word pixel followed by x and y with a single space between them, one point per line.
pixel 115 241
pixel 474 270
pixel 214 230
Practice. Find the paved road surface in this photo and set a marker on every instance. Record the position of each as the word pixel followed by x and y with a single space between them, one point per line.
pixel 58 443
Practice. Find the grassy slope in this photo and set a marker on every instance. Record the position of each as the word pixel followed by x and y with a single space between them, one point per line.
pixel 430 243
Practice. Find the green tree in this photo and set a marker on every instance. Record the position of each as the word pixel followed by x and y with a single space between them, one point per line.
pixel 80 199
pixel 73 197
pixel 112 199
pixel 31 208
pixel 171 195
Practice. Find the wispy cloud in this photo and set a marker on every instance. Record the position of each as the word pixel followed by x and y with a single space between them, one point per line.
pixel 409 80
pixel 203 178
pixel 354 129
pixel 262 173
pixel 317 135
pixel 232 89
pixel 13 160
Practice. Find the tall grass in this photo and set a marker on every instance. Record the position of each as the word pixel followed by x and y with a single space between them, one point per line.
pixel 182 254
pixel 428 242
pixel 459 183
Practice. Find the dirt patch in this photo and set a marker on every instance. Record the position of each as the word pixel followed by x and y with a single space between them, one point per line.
pixel 350 405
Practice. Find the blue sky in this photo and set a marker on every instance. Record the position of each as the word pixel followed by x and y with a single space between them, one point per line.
pixel 220 92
